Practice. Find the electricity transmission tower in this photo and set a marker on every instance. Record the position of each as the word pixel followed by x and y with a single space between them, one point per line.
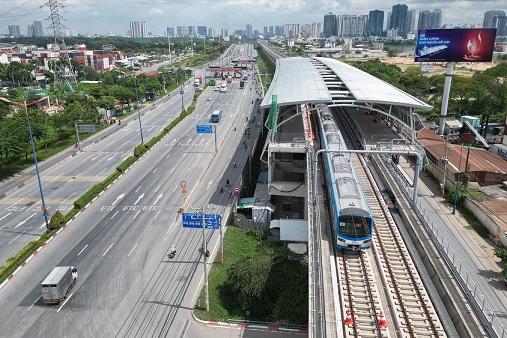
pixel 63 70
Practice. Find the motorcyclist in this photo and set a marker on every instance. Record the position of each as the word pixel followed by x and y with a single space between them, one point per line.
pixel 172 251
pixel 234 165
pixel 227 182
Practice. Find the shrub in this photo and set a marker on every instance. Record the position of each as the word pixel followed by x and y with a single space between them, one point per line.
pixel 56 220
pixel 139 150
pixel 125 164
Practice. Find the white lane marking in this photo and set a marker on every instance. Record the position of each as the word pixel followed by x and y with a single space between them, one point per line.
pixel 31 306
pixel 15 238
pixel 139 198
pixel 189 141
pixel 172 170
pixel 156 215
pixel 184 155
pixel 93 159
pixel 105 252
pixel 132 250
pixel 109 159
pixel 173 141
pixel 68 198
pixel 83 249
pixel 202 141
pixel 23 222
pixel 43 225
pixel 66 300
pixel 176 188
pixel 209 184
pixel 118 198
pixel 137 213
pixel 116 213
pixel 14 203
pixel 6 215
pixel 158 198
pixel 154 170
pixel 138 188
pixel 157 188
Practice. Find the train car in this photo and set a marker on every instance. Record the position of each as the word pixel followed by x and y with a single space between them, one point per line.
pixel 350 214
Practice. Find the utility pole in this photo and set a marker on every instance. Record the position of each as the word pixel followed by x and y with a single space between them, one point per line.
pixel 456 184
pixel 446 159
pixel 169 47
pixel 205 258
pixel 182 103
pixel 77 137
pixel 64 70
pixel 445 98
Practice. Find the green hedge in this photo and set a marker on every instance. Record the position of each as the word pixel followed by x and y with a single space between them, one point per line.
pixel 58 220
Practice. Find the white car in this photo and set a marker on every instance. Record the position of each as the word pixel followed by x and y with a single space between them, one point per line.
pixel 216 89
pixel 208 99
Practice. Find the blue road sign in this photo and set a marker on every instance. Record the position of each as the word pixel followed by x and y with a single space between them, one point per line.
pixel 194 220
pixel 204 129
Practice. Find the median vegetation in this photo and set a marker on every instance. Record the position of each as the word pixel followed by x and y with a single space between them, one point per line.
pixel 253 282
pixel 58 220
pixel 266 68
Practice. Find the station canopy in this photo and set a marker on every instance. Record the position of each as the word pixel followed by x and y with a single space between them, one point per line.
pixel 302 80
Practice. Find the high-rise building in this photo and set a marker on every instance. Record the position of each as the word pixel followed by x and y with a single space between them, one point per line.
pixel 429 19
pixel 37 29
pixel 170 32
pixel 375 23
pixel 182 31
pixel 351 26
pixel 249 31
pixel 292 30
pixel 495 19
pixel 271 31
pixel 30 31
pixel 411 21
pixel 279 31
pixel 192 31
pixel 138 29
pixel 329 25
pixel 399 19
pixel 265 31
pixel 202 31
pixel 14 31
pixel 316 30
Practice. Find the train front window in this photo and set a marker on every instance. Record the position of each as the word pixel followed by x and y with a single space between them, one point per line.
pixel 354 226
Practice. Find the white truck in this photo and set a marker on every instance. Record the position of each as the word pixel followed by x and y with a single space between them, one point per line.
pixel 58 283
pixel 223 87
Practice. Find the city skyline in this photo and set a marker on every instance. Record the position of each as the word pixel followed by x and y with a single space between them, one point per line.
pixel 87 19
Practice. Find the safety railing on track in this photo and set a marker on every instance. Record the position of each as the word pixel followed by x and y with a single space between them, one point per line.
pixel 468 284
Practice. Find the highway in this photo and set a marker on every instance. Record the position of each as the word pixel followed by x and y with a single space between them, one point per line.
pixel 65 177
pixel 127 286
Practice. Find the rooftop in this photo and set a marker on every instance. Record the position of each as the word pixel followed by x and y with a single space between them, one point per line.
pixel 298 80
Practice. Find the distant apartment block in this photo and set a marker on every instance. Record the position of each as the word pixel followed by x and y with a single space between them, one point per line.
pixel 14 31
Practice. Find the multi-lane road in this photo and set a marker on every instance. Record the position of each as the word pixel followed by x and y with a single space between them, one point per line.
pixel 68 175
pixel 127 286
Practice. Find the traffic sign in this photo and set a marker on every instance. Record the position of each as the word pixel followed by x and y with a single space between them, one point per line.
pixel 236 192
pixel 183 186
pixel 204 129
pixel 86 128
pixel 194 220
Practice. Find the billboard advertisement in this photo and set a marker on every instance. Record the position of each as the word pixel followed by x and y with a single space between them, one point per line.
pixel 455 45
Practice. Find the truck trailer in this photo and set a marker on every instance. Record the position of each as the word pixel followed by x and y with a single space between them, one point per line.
pixel 57 284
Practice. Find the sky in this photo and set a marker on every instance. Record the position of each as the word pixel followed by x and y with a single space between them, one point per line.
pixel 102 16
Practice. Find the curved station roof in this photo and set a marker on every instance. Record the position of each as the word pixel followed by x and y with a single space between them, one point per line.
pixel 325 80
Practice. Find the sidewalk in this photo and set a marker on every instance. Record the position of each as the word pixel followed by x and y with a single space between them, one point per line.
pixel 483 248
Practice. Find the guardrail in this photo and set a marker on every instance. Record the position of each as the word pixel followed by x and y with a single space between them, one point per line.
pixel 485 313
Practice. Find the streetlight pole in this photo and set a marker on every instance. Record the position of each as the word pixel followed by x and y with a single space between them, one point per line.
pixel 39 181
pixel 205 258
pixel 138 111
pixel 182 103
pixel 44 210
pixel 456 184
pixel 446 159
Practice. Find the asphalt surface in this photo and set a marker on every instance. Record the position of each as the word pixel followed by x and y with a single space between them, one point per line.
pixel 127 286
pixel 66 176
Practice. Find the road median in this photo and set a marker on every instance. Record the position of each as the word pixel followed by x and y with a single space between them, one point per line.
pixel 12 265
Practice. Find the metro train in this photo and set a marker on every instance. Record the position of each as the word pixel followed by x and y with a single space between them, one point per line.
pixel 350 214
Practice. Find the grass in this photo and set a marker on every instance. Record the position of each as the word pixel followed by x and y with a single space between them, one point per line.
pixel 237 244
pixel 476 194
pixel 15 167
pixel 266 68
pixel 196 60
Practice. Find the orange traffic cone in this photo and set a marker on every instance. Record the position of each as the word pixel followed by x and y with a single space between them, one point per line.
pixel 382 322
pixel 348 319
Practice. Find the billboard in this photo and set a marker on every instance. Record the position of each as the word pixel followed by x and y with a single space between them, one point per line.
pixel 455 45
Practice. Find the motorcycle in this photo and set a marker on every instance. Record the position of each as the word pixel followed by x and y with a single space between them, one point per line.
pixel 172 253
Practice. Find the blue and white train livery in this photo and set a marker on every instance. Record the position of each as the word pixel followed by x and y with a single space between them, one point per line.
pixel 350 215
